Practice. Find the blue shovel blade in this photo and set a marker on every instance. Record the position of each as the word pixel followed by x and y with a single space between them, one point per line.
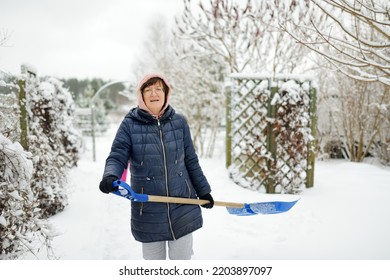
pixel 264 208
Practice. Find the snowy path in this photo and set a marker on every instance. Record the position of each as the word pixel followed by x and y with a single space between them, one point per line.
pixel 343 217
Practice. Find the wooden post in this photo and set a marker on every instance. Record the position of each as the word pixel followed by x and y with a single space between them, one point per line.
pixel 271 140
pixel 23 114
pixel 228 136
pixel 312 145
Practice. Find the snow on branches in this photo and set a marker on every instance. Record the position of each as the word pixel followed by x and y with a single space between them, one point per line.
pixel 53 140
pixel 33 181
pixel 20 226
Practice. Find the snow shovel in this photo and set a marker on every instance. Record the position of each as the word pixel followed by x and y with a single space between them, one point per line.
pixel 240 209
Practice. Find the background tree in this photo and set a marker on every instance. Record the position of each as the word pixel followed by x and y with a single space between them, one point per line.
pixel 221 37
pixel 356 40
pixel 360 116
pixel 350 37
pixel 354 118
pixel 83 91
pixel 200 94
pixel 244 34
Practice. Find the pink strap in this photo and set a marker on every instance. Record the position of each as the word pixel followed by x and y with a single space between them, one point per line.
pixel 124 174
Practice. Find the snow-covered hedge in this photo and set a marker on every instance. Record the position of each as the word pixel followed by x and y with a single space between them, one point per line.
pixel 52 140
pixel 33 183
pixel 20 226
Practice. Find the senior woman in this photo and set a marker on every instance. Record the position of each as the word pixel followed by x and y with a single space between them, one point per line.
pixel 157 143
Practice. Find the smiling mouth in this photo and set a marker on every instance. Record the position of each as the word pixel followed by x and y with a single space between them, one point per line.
pixel 155 100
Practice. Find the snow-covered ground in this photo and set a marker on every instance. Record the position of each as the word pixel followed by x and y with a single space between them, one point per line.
pixel 340 227
pixel 344 216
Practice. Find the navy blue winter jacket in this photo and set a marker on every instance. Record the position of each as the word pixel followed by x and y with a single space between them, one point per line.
pixel 162 162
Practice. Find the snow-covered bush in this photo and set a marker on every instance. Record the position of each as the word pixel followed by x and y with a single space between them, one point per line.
pixel 271 133
pixel 33 182
pixel 20 226
pixel 293 135
pixel 52 140
pixel 9 115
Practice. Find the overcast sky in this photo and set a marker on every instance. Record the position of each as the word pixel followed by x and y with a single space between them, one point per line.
pixel 78 38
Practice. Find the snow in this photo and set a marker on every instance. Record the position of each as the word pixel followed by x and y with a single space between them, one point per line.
pixel 343 217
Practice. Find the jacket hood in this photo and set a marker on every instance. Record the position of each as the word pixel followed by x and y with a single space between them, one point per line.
pixel 141 103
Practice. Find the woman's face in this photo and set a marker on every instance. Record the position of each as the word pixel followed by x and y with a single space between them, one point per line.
pixel 154 97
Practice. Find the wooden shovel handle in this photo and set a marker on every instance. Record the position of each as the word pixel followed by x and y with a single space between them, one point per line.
pixel 181 200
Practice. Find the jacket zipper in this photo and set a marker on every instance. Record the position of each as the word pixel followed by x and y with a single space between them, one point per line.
pixel 142 204
pixel 166 177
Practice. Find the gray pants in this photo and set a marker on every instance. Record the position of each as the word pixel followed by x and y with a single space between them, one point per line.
pixel 180 249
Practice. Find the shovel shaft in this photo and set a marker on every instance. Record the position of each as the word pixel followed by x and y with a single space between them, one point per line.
pixel 181 200
pixel 229 204
pixel 240 209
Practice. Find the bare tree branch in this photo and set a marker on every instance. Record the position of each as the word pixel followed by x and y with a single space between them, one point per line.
pixel 350 33
pixel 5 35
pixel 354 35
pixel 246 36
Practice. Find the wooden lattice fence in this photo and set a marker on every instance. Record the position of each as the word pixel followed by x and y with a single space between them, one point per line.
pixel 271 133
